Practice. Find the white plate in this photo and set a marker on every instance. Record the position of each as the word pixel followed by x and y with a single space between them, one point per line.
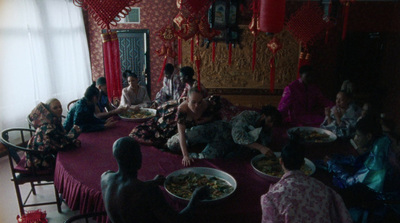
pixel 332 137
pixel 307 162
pixel 209 172
pixel 152 111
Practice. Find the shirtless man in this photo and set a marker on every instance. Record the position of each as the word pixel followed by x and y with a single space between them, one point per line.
pixel 128 199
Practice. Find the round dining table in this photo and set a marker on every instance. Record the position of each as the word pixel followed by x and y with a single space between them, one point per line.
pixel 78 172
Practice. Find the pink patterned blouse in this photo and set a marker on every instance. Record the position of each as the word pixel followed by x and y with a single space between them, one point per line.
pixel 300 198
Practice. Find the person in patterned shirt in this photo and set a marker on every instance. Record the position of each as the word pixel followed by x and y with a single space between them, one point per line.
pixel 297 197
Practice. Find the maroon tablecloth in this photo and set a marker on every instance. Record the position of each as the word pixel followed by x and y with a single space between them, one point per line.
pixel 78 171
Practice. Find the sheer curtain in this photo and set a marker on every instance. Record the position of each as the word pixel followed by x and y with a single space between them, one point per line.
pixel 43 54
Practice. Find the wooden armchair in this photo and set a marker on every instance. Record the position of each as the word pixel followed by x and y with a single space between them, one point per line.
pixel 15 140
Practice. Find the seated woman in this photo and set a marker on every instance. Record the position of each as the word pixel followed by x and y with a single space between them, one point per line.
pixel 82 113
pixel 134 96
pixel 159 129
pixel 50 135
pixel 194 111
pixel 342 118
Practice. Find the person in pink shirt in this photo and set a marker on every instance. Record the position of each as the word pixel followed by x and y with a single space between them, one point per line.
pixel 302 102
pixel 297 197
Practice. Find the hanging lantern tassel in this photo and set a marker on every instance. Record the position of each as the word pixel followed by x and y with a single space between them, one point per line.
pixel 274 46
pixel 272 73
pixel 301 59
pixel 191 49
pixel 213 52
pixel 162 69
pixel 230 54
pixel 328 21
pixel 253 64
pixel 179 51
pixel 304 59
pixel 345 19
pixel 198 62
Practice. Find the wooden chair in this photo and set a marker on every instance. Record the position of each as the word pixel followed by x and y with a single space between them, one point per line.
pixel 21 175
pixel 87 216
pixel 71 103
pixel 30 124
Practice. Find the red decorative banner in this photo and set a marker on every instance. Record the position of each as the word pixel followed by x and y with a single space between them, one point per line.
pixel 167 35
pixel 346 9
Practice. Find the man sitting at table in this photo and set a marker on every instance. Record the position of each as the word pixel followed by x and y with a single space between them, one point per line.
pixel 82 113
pixel 363 178
pixel 302 102
pixel 297 197
pixel 103 108
pixel 128 199
pixel 172 87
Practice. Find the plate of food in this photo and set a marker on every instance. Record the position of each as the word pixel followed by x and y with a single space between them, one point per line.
pixel 312 135
pixel 181 183
pixel 270 168
pixel 140 115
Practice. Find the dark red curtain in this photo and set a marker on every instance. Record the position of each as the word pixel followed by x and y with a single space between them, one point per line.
pixel 112 66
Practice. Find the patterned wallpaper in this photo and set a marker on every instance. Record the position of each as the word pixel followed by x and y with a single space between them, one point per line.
pixel 364 17
pixel 154 15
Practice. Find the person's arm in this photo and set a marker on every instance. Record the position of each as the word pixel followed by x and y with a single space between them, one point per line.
pixel 145 99
pixel 241 134
pixel 125 100
pixel 343 177
pixel 263 149
pixel 186 160
pixel 286 100
pixel 85 119
pixel 104 115
pixel 269 210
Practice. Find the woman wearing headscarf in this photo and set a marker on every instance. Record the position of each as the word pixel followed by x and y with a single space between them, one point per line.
pixel 50 135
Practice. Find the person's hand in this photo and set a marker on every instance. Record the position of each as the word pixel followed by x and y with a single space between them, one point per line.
pixel 77 129
pixel 135 108
pixel 110 122
pixel 201 193
pixel 154 105
pixel 267 152
pixel 326 159
pixel 186 161
pixel 121 109
pixel 327 111
pixel 337 113
pixel 77 143
pixel 159 179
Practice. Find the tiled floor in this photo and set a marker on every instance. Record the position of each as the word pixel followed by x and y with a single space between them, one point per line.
pixel 8 200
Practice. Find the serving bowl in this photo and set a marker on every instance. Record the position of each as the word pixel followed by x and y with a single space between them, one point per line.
pixel 312 135
pixel 209 173
pixel 127 116
pixel 308 163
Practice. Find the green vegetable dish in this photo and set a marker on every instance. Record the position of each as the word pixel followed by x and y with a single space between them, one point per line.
pixel 183 185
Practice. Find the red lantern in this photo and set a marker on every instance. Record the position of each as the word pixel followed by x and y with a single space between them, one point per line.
pixel 272 15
